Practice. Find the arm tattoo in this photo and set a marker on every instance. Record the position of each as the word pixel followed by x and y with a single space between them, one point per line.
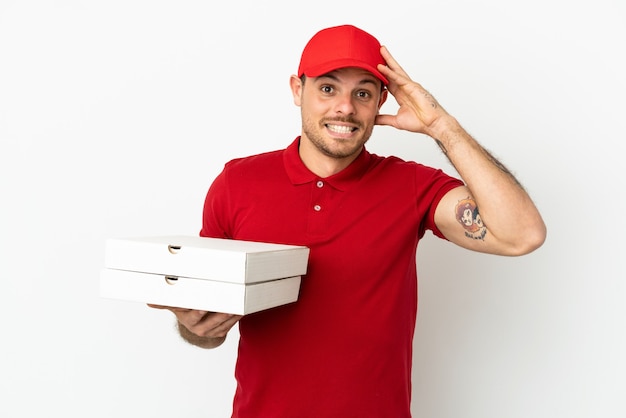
pixel 469 218
pixel 441 146
pixel 502 168
pixel 445 152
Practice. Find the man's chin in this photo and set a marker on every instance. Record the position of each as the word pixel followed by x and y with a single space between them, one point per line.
pixel 341 152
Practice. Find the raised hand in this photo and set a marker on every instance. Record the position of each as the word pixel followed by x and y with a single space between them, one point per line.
pixel 419 111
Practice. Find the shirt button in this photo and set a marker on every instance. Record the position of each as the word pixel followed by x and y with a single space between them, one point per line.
pixel 320 184
pixel 317 208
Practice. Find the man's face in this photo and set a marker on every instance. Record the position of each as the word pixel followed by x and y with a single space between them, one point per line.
pixel 339 109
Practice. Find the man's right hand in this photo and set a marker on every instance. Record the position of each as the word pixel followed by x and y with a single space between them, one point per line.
pixel 201 328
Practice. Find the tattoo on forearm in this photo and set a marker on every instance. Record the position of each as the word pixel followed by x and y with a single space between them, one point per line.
pixel 445 151
pixel 468 216
pixel 501 167
pixel 441 146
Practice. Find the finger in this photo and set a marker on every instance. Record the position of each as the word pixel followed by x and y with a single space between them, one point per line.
pixel 188 317
pixel 170 308
pixel 192 318
pixel 214 320
pixel 228 323
pixel 202 320
pixel 152 305
pixel 214 325
pixel 393 68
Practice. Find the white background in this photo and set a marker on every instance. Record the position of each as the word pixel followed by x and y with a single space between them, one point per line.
pixel 115 116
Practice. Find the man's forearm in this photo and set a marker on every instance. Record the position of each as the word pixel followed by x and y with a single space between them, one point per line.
pixel 505 208
pixel 456 133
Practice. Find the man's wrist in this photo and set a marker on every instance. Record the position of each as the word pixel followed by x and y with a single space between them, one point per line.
pixel 446 132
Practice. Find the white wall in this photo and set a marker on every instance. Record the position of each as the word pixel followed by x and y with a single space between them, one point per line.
pixel 115 116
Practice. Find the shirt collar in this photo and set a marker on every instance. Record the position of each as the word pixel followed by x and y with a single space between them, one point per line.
pixel 299 174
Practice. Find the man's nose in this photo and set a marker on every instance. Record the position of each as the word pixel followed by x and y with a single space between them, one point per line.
pixel 345 104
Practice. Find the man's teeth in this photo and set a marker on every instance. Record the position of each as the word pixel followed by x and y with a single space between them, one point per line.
pixel 340 129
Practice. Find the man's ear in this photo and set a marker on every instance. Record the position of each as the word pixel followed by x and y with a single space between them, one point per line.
pixel 296 89
pixel 383 97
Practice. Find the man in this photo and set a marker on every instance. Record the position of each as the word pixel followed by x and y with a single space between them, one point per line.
pixel 344 349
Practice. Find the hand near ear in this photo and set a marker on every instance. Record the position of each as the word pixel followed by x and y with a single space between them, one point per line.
pixel 419 111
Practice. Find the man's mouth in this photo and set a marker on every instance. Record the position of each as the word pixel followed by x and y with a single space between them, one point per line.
pixel 340 129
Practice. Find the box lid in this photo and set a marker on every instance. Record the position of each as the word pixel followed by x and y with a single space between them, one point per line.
pixel 206 258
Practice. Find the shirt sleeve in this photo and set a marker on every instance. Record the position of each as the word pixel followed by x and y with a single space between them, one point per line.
pixel 440 183
pixel 215 222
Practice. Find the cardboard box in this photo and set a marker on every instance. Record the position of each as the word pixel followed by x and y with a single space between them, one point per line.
pixel 206 295
pixel 209 274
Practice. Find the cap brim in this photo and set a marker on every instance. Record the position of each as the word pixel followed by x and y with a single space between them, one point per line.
pixel 328 67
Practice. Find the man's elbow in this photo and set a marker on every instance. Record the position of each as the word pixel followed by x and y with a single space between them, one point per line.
pixel 533 239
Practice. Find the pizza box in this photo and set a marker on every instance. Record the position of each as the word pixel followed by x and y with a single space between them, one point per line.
pixel 212 274
pixel 207 258
pixel 206 295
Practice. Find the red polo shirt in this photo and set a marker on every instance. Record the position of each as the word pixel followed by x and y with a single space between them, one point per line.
pixel 344 349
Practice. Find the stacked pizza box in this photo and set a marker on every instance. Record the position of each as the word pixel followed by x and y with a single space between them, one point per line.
pixel 210 274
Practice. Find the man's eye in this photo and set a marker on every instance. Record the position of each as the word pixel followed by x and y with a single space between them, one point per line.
pixel 327 89
pixel 363 94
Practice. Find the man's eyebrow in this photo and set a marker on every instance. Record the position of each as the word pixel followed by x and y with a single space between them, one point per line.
pixel 366 80
pixel 369 81
pixel 328 75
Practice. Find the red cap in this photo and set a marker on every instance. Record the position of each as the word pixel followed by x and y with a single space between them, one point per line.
pixel 341 47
